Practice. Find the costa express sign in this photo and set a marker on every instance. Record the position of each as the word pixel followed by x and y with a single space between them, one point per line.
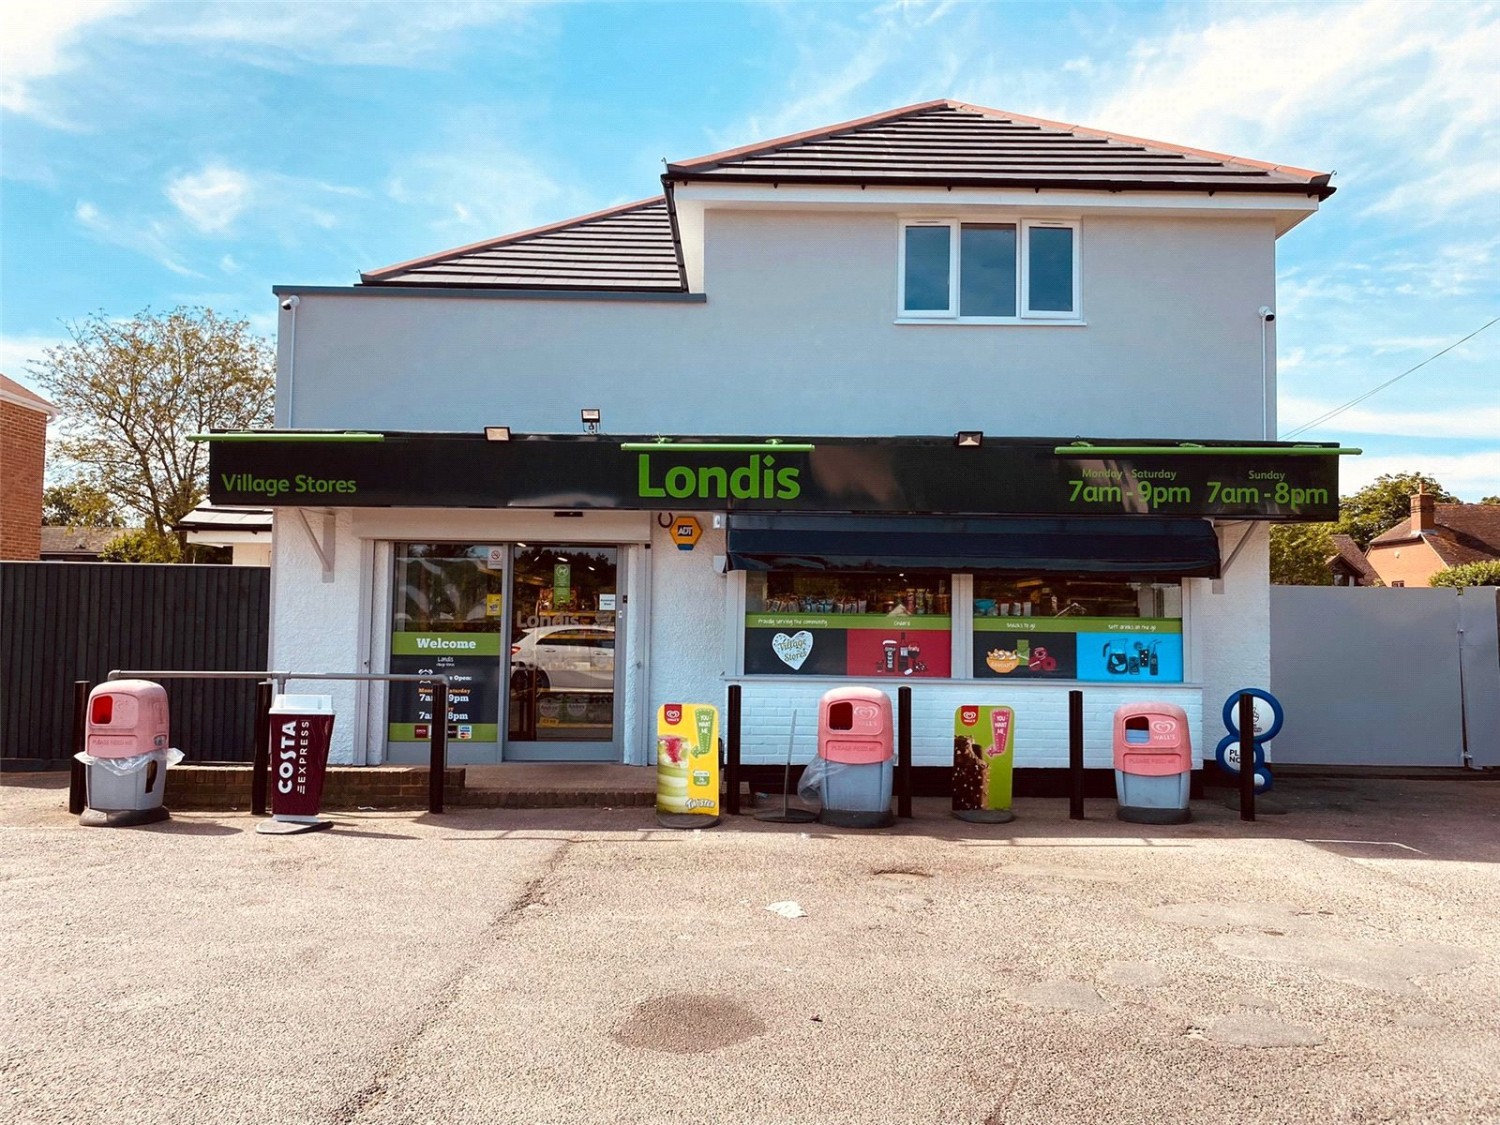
pixel 907 474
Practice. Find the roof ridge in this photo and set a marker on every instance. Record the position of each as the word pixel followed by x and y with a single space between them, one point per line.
pixel 1287 169
pixel 491 243
pixel 821 131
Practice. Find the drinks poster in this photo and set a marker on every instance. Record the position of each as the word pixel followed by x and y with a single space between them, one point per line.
pixel 983 758
pixel 687 759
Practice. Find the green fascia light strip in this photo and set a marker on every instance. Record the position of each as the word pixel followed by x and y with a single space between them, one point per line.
pixel 1203 451
pixel 717 446
pixel 274 435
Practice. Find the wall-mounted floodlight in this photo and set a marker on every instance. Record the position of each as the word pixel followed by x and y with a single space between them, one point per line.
pixel 590 419
pixel 497 433
pixel 969 439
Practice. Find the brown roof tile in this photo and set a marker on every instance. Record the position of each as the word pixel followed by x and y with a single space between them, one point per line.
pixel 12 391
pixel 1350 555
pixel 1462 533
pixel 628 248
pixel 949 142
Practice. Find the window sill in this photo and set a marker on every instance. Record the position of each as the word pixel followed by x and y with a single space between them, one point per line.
pixel 992 321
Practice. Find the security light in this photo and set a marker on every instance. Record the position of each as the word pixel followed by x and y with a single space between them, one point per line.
pixel 969 439
pixel 590 417
pixel 497 433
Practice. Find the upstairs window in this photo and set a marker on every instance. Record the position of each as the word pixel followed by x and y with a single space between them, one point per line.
pixel 989 272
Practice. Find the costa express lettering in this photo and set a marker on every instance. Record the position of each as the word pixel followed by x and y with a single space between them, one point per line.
pixel 281 486
pixel 761 479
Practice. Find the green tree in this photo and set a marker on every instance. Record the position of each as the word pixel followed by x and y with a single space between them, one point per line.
pixel 140 546
pixel 130 392
pixel 1470 574
pixel 1385 502
pixel 1300 553
pixel 76 504
pixel 1490 500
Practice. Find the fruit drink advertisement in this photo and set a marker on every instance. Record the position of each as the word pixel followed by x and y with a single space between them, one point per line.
pixel 1096 649
pixel 687 759
pixel 984 740
pixel 471 661
pixel 848 644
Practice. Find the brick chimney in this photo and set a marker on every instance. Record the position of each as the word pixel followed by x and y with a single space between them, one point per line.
pixel 1423 511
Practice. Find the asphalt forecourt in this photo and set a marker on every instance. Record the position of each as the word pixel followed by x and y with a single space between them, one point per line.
pixel 1338 963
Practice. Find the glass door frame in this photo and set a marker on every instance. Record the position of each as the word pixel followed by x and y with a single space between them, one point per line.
pixel 561 750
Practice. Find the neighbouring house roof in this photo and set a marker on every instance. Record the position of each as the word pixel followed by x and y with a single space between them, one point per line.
pixel 77 542
pixel 633 248
pixel 1462 533
pixel 948 142
pixel 208 517
pixel 627 248
pixel 12 391
pixel 1353 559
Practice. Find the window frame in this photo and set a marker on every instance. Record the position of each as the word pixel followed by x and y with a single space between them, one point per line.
pixel 1025 315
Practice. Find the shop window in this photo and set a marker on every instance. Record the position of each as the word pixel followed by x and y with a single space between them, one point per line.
pixel 998 273
pixel 1077 628
pixel 894 625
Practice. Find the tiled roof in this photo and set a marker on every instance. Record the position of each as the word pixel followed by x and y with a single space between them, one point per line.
pixel 628 248
pixel 1462 533
pixel 12 391
pixel 948 142
pixel 1351 556
pixel 78 542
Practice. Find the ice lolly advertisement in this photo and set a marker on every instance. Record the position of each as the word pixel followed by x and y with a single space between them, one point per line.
pixel 983 758
pixel 687 759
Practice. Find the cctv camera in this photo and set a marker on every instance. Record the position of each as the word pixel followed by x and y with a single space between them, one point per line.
pixel 1267 314
pixel 290 303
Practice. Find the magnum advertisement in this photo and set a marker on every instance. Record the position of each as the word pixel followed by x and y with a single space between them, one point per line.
pixel 1017 476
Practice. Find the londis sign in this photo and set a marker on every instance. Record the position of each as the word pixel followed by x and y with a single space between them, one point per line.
pixel 759 478
pixel 923 475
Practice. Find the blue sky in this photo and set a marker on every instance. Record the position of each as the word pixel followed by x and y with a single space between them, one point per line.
pixel 157 154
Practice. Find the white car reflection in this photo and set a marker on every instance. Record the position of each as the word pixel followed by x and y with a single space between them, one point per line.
pixel 565 656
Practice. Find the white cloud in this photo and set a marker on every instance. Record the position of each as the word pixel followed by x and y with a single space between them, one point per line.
pixel 1472 420
pixel 18 353
pixel 482 190
pixel 150 238
pixel 212 199
pixel 1469 476
pixel 38 42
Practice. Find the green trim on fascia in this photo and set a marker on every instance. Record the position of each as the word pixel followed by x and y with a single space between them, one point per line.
pixel 717 446
pixel 281 435
pixel 479 293
pixel 1077 625
pixel 1204 451
pixel 915 622
pixel 445 644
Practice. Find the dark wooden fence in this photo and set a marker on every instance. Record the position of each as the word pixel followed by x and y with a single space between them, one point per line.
pixel 61 622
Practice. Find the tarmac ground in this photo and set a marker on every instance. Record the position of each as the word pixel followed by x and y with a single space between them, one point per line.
pixel 1339 963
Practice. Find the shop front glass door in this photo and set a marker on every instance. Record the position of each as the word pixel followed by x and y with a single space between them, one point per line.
pixel 447 618
pixel 563 675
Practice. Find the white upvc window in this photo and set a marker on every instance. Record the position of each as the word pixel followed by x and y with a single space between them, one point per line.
pixel 989 272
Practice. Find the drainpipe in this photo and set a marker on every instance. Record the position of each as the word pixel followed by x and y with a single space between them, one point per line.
pixel 289 306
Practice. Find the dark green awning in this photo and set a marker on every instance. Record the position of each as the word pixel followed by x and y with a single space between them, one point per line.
pixel 1139 545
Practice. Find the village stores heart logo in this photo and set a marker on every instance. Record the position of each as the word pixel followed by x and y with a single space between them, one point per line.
pixel 793 650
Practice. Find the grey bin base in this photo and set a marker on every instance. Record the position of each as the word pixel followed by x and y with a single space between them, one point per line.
pixel 137 790
pixel 123 818
pixel 1153 800
pixel 846 818
pixel 1154 816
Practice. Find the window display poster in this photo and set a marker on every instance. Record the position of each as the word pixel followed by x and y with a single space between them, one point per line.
pixel 848 645
pixel 471 661
pixel 687 759
pixel 1094 649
